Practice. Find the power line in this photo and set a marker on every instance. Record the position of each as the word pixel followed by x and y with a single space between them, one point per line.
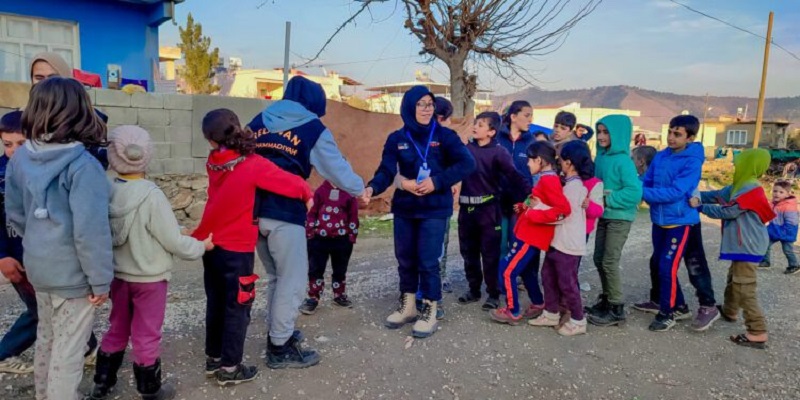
pixel 793 55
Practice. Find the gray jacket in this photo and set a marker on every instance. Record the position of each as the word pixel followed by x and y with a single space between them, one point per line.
pixel 744 234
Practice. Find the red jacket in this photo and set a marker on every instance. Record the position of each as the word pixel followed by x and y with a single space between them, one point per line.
pixel 535 227
pixel 232 183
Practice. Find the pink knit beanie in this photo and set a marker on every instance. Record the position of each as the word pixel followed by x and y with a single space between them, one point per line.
pixel 129 149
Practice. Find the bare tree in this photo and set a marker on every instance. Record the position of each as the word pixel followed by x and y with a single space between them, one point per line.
pixel 493 33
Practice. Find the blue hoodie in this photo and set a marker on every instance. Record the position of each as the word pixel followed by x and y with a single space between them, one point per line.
pixel 448 159
pixel 669 183
pixel 57 199
pixel 518 150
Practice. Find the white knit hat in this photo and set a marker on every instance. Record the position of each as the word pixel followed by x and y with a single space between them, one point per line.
pixel 130 149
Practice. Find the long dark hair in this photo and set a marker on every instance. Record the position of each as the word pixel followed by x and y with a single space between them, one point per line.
pixel 223 127
pixel 577 152
pixel 514 109
pixel 59 111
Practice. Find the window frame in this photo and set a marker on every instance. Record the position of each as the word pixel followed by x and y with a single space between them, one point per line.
pixel 737 133
pixel 24 61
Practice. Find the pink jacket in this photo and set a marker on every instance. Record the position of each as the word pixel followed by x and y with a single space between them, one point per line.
pixel 595 210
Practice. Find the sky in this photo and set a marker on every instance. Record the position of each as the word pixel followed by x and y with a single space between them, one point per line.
pixel 652 44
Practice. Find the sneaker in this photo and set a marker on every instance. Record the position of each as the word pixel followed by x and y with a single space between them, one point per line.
pixel 763 265
pixel 309 306
pixel 504 316
pixel 291 355
pixel 469 297
pixel 241 374
pixel 614 315
pixel 447 287
pixel 545 319
pixel 573 327
pixel 212 366
pixel 491 303
pixel 533 311
pixel 792 270
pixel 14 365
pixel 343 301
pixel 705 317
pixel 681 313
pixel 662 323
pixel 647 306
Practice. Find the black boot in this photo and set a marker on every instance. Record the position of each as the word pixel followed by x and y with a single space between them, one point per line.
pixel 615 315
pixel 600 307
pixel 290 355
pixel 148 382
pixel 105 374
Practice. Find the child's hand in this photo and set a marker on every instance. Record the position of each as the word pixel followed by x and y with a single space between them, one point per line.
pixel 695 202
pixel 12 270
pixel 209 242
pixel 99 300
pixel 309 204
pixel 520 208
pixel 585 203
pixel 365 197
pixel 534 201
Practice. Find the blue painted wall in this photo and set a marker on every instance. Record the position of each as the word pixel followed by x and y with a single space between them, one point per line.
pixel 111 32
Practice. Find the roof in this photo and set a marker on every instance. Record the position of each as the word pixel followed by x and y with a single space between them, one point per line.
pixel 402 87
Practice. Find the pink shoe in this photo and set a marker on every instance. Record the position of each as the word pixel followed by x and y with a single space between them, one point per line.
pixel 504 316
pixel 533 311
pixel 573 327
pixel 545 319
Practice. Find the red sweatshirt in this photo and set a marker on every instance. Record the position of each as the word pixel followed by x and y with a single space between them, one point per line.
pixel 334 214
pixel 232 183
pixel 535 227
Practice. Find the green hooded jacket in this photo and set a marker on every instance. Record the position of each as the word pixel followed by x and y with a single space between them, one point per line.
pixel 613 166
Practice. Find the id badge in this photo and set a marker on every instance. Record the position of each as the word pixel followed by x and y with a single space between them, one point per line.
pixel 334 196
pixel 424 173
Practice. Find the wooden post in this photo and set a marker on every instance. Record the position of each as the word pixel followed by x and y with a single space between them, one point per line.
pixel 762 92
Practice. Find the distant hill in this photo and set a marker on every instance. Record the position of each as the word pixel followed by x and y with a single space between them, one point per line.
pixel 656 107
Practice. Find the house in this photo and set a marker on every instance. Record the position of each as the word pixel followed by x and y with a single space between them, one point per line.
pixel 387 98
pixel 739 133
pixel 89 34
pixel 545 115
pixel 268 83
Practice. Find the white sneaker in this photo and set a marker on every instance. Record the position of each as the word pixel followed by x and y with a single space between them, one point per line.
pixel 13 365
pixel 573 327
pixel 546 319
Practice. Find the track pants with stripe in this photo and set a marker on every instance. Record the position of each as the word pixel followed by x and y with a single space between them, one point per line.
pixel 669 245
pixel 522 260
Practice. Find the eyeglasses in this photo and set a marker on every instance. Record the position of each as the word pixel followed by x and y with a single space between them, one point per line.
pixel 424 106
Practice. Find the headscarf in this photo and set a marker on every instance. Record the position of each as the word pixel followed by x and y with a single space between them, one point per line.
pixel 308 93
pixel 55 61
pixel 408 109
pixel 749 165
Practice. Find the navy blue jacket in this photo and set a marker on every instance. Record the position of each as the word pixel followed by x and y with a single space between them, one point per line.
pixel 494 167
pixel 10 244
pixel 518 150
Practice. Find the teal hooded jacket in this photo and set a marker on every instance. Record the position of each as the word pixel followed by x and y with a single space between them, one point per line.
pixel 613 165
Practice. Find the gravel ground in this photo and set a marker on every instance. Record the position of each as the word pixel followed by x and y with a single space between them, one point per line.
pixel 473 358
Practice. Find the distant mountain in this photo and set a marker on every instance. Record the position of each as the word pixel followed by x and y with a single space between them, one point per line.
pixel 656 107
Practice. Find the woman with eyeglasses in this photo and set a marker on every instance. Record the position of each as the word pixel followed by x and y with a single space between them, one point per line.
pixel 437 159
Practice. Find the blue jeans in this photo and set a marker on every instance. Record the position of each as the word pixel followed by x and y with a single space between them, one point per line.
pixel 788 251
pixel 22 334
pixel 418 246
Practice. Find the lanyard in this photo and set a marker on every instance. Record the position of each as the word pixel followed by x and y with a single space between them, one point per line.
pixel 427 146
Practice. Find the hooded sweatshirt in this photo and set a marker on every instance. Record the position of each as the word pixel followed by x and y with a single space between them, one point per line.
pixel 743 208
pixel 145 233
pixel 613 166
pixel 784 227
pixel 232 183
pixel 670 181
pixel 448 159
pixel 57 199
pixel 290 134
pixel 55 61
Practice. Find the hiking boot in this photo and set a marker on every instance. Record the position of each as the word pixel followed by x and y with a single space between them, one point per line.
pixel 148 382
pixel 469 297
pixel 600 306
pixel 105 374
pixel 290 355
pixel 662 323
pixel 705 317
pixel 309 306
pixel 447 287
pixel 491 303
pixel 763 264
pixel 426 324
pixel 533 311
pixel 792 270
pixel 504 316
pixel 681 313
pixel 405 313
pixel 545 319
pixel 647 306
pixel 615 315
pixel 343 301
pixel 573 327
pixel 14 365
pixel 241 374
pixel 212 366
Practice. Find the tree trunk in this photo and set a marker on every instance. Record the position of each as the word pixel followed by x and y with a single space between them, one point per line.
pixel 462 89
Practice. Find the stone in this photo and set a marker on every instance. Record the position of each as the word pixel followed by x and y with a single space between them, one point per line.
pixel 120 115
pixel 180 118
pixel 184 184
pixel 181 150
pixel 200 183
pixel 147 100
pixel 182 200
pixel 180 134
pixel 116 98
pixel 177 102
pixel 179 166
pixel 195 211
pixel 153 117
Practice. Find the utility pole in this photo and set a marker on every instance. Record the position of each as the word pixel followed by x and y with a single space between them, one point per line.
pixel 762 93
pixel 705 115
pixel 286 55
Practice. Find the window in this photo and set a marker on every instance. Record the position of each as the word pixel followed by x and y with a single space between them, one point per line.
pixel 737 138
pixel 23 37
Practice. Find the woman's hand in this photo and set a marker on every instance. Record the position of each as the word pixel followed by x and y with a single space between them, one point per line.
pixel 426 187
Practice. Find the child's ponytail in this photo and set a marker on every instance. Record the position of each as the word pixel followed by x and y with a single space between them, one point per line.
pixel 514 109
pixel 222 126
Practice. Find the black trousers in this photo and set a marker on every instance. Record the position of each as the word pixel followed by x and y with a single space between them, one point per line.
pixel 230 292
pixel 337 249
pixel 479 237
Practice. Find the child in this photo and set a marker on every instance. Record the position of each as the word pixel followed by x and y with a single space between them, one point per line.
pixel 622 194
pixel 642 156
pixel 593 203
pixel 444 114
pixel 562 130
pixel 560 268
pixel 234 174
pixel 479 217
pixel 533 232
pixel 332 228
pixel 54 192
pixel 670 180
pixel 145 236
pixel 584 132
pixel 744 209
pixel 784 227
